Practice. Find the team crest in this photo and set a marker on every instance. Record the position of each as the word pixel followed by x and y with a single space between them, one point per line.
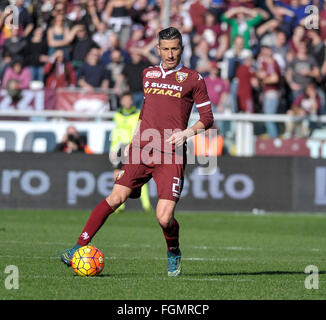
pixel 181 76
pixel 153 74
pixel 120 174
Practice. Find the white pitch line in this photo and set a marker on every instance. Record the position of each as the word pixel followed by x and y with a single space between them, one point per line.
pixel 127 258
pixel 128 245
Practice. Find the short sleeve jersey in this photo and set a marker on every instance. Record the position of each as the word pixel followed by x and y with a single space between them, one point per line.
pixel 169 98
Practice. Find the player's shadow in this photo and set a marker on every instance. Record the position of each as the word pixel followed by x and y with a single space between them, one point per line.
pixel 256 273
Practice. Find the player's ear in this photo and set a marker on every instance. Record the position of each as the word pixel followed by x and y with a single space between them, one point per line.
pixel 158 49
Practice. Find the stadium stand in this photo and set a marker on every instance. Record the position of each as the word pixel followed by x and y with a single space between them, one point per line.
pixel 274 43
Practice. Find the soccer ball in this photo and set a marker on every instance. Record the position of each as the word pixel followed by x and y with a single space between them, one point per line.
pixel 87 261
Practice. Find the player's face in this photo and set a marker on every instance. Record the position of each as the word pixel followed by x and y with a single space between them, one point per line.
pixel 170 52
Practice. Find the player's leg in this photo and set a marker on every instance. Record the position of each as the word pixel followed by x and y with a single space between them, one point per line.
pixel 97 218
pixel 170 227
pixel 169 181
pixel 101 212
pixel 144 198
pixel 115 175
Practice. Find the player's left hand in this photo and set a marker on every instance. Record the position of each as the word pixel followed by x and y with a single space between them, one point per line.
pixel 178 138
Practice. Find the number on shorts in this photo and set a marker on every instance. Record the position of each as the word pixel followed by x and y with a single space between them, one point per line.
pixel 176 187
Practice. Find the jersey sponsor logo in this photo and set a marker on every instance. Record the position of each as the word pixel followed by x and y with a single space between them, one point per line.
pixel 165 86
pixel 163 92
pixel 153 74
pixel 181 76
pixel 165 89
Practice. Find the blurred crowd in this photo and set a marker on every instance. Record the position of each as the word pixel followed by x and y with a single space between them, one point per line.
pixel 256 56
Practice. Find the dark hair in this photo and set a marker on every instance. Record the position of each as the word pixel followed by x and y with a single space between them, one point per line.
pixel 126 93
pixel 170 33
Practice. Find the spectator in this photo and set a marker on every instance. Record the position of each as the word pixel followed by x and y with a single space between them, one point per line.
pixel 281 49
pixel 243 25
pixel 93 17
pixel 316 47
pixel 37 50
pixel 308 103
pixel 218 91
pixel 266 33
pixel 293 13
pixel 270 78
pixel 301 71
pixel 16 78
pixel 201 60
pixel 81 45
pixel 131 76
pixel 42 12
pixel 59 36
pixel 212 32
pixel 141 12
pixel 232 60
pixel 299 35
pixel 247 82
pixel 137 39
pixel 59 72
pixel 5 30
pixel 101 36
pixel 24 18
pixel 70 142
pixel 15 46
pixel 117 16
pixel 100 6
pixel 92 74
pixel 197 12
pixel 113 43
pixel 77 14
pixel 217 88
pixel 153 27
pixel 115 67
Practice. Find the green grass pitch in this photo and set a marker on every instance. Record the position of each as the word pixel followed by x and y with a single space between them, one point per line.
pixel 225 256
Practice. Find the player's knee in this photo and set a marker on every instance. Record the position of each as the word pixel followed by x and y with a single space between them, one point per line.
pixel 164 221
pixel 115 200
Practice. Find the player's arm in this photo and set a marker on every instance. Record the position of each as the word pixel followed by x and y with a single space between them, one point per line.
pixel 204 108
pixel 205 122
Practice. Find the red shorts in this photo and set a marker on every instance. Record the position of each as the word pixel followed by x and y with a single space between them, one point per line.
pixel 167 176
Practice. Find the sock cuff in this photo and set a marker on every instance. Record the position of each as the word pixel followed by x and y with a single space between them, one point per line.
pixel 105 205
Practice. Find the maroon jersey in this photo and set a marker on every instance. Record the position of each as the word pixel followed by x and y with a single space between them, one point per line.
pixel 169 96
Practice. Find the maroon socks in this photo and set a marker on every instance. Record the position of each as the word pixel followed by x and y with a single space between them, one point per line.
pixel 171 234
pixel 101 213
pixel 94 222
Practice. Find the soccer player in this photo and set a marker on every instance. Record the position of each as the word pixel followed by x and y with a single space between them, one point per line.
pixel 170 90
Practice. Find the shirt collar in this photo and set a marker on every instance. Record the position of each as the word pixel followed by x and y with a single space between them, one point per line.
pixel 165 73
